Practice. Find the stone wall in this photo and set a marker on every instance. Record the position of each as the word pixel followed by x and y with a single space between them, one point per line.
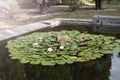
pixel 106 24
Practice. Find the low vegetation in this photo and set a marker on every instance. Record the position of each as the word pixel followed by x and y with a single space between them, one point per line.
pixel 88 13
pixel 62 47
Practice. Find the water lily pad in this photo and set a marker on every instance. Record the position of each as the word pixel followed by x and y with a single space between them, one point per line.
pixel 24 60
pixel 38 61
pixel 61 62
pixel 48 63
pixel 44 48
pixel 69 61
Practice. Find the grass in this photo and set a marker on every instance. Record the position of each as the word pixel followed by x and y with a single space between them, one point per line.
pixel 112 2
pixel 89 13
pixel 111 8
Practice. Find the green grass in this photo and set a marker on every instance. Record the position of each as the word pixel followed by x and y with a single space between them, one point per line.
pixel 110 9
pixel 112 2
pixel 89 13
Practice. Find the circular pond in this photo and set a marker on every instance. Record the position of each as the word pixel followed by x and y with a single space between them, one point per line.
pixel 106 67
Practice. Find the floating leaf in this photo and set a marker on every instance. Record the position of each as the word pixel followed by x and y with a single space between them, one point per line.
pixel 60 62
pixel 24 61
pixel 44 48
pixel 69 61
pixel 38 61
pixel 48 63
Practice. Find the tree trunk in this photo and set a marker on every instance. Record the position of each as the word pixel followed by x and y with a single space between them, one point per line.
pixel 98 4
pixel 44 6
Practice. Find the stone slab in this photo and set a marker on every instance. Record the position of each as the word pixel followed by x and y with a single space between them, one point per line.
pixel 30 27
pixel 106 19
pixel 9 32
pixel 77 21
pixel 6 34
pixel 2 36
pixel 106 24
pixel 109 27
pixel 115 29
pixel 53 22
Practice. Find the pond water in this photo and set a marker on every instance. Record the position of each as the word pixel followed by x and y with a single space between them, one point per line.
pixel 105 68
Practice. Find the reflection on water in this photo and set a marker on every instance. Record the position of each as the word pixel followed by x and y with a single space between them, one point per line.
pixel 119 55
pixel 94 70
pixel 9 69
pixel 106 68
pixel 115 70
pixel 100 69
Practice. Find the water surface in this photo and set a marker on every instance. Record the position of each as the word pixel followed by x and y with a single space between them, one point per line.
pixel 105 68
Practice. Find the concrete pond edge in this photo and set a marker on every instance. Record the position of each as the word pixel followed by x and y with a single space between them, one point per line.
pixel 109 24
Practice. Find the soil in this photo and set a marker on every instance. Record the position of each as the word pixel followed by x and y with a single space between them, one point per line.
pixel 28 16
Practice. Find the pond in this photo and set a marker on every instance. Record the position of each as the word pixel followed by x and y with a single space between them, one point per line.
pixel 105 68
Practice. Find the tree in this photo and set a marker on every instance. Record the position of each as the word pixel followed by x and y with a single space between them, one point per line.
pixel 98 4
pixel 44 4
pixel 74 4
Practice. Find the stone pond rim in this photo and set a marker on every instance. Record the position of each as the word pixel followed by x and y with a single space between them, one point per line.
pixel 102 24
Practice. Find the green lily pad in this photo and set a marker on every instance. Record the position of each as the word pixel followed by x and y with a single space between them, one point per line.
pixel 60 62
pixel 24 61
pixel 44 48
pixel 48 63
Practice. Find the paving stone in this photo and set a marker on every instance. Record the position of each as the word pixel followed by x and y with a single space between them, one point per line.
pixel 2 37
pixel 45 24
pixel 30 27
pixel 8 33
pixel 22 30
pixel 77 21
pixel 53 22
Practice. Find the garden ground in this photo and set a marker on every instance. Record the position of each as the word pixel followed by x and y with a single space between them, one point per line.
pixel 31 16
